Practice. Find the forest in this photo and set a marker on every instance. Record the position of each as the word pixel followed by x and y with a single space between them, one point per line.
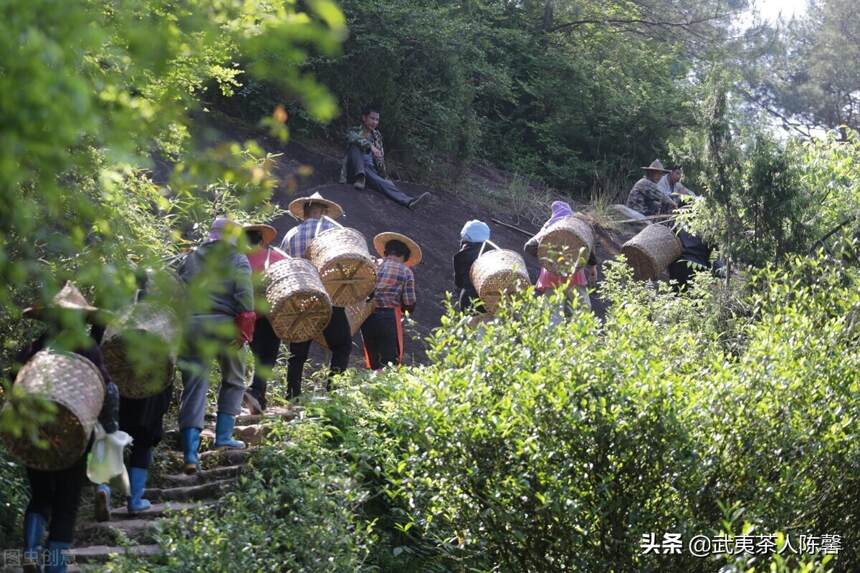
pixel 727 411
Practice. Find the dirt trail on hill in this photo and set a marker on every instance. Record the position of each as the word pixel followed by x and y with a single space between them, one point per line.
pixel 435 225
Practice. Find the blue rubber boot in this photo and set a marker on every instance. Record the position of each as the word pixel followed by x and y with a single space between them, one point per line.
pixel 34 531
pixel 102 502
pixel 137 480
pixel 190 445
pixel 224 425
pixel 56 555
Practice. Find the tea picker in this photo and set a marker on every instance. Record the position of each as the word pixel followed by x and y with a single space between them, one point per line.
pixel 83 394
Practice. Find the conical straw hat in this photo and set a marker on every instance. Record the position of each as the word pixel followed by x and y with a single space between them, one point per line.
pixel 69 297
pixel 415 255
pixel 267 231
pixel 656 165
pixel 297 206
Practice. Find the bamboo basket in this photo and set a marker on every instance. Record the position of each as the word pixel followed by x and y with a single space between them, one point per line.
pixel 356 314
pixel 563 241
pixel 76 388
pixel 497 273
pixel 299 307
pixel 651 251
pixel 154 332
pixel 345 266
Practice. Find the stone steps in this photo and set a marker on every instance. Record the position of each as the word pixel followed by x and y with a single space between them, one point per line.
pixel 101 553
pixel 138 530
pixel 203 476
pixel 205 490
pixel 157 510
pixel 174 492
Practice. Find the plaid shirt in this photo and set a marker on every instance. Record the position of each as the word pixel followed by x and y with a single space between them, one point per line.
pixel 395 284
pixel 298 238
pixel 355 136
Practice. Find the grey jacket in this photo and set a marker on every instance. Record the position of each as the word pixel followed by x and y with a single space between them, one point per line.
pixel 235 293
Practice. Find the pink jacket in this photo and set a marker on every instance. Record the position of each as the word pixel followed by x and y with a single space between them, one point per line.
pixel 258 258
pixel 548 280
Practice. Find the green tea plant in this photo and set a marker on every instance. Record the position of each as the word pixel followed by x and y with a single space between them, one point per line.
pixel 530 444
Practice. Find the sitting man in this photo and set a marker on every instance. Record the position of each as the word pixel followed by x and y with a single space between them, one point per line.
pixel 671 186
pixel 364 163
pixel 646 197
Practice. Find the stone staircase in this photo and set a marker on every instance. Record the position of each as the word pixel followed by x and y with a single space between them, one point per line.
pixel 172 492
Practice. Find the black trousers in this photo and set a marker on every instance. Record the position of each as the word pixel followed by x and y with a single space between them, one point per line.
pixel 339 339
pixel 265 347
pixel 56 496
pixel 143 419
pixel 682 271
pixel 381 337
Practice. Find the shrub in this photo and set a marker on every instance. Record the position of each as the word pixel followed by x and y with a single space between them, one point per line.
pixel 530 445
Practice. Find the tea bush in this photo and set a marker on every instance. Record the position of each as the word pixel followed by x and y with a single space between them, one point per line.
pixel 529 445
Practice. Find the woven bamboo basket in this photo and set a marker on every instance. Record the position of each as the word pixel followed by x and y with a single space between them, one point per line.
pixel 76 388
pixel 562 241
pixel 356 314
pixel 140 350
pixel 497 273
pixel 299 307
pixel 651 251
pixel 346 268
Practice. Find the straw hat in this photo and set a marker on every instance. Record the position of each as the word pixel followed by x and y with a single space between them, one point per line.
pixel 69 298
pixel 656 165
pixel 297 206
pixel 267 231
pixel 380 240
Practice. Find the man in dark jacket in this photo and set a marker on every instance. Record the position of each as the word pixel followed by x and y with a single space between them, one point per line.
pixel 217 269
pixel 473 237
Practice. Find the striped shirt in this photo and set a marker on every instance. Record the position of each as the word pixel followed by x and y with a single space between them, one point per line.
pixel 298 238
pixel 395 284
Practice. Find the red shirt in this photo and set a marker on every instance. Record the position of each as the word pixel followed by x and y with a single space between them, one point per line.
pixel 258 258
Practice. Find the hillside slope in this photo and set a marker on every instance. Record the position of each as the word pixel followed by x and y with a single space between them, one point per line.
pixel 435 225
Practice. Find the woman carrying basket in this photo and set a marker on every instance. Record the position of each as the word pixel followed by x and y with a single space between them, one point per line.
pixel 382 332
pixel 473 242
pixel 266 344
pixel 56 495
pixel 317 214
pixel 548 280
pixel 143 420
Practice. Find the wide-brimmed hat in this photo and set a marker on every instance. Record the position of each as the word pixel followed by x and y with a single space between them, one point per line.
pixel 268 232
pixel 656 165
pixel 220 226
pixel 382 239
pixel 69 298
pixel 297 206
